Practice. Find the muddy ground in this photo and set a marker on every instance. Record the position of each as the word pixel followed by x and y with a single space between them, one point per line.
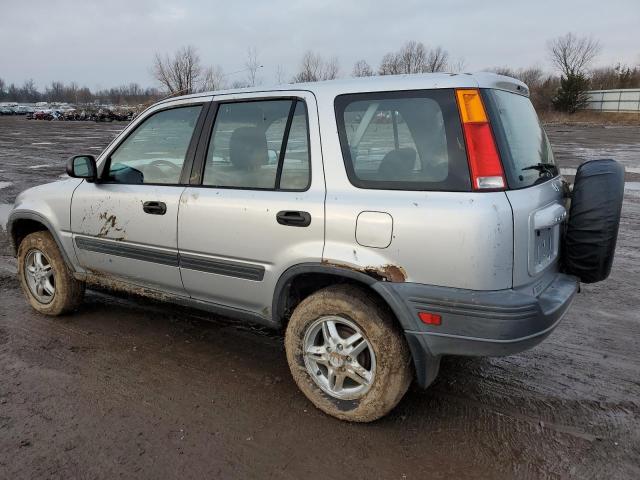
pixel 136 389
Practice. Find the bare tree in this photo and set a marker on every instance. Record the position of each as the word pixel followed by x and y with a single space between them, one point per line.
pixel 309 68
pixel 213 78
pixel 572 54
pixel 179 74
pixel 532 76
pixel 362 69
pixel 437 60
pixel 313 68
pixel 331 69
pixel 414 57
pixel 506 71
pixel 28 91
pixel 458 65
pixel 617 76
pixel 252 65
pixel 281 74
pixel 55 92
pixel 390 65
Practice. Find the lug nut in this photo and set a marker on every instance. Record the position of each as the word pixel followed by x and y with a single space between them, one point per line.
pixel 339 347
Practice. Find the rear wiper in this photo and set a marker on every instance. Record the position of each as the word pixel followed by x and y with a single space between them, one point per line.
pixel 543 168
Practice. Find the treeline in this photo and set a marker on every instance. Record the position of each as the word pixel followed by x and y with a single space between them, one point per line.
pixel 183 72
pixel 131 94
pixel 564 89
pixel 544 87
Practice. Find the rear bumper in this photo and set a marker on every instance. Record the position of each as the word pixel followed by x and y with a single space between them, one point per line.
pixel 491 323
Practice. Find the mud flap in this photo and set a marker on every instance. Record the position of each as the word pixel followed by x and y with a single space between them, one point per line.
pixel 427 366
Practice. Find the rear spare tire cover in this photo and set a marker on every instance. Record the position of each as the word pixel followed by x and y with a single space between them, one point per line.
pixel 594 218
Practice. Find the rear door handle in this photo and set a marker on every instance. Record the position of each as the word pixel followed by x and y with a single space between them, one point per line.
pixel 294 218
pixel 155 208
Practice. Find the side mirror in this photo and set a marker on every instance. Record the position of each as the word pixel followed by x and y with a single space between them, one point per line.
pixel 83 166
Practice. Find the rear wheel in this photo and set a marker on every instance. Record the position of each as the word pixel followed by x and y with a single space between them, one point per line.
pixel 44 276
pixel 347 355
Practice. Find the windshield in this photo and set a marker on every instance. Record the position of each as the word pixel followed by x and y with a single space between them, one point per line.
pixel 524 147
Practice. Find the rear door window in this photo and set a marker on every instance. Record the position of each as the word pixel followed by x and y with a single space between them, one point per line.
pixel 403 140
pixel 259 145
pixel 525 150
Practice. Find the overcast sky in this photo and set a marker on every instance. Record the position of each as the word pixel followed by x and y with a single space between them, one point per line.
pixel 108 43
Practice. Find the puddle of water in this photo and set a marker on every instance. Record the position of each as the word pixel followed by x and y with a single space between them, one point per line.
pixel 5 208
pixel 5 184
pixel 632 186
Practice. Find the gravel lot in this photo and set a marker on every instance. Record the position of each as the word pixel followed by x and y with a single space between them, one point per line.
pixel 132 388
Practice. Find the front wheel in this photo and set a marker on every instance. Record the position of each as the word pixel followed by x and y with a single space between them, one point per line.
pixel 44 276
pixel 347 355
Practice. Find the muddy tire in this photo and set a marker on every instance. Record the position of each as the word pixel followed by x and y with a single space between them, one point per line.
pixel 44 276
pixel 368 380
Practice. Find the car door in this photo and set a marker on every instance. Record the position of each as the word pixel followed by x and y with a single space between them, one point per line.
pixel 125 224
pixel 256 202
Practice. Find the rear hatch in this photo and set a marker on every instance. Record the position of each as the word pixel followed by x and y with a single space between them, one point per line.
pixel 534 191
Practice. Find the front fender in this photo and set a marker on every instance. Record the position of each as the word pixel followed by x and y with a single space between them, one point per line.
pixel 49 205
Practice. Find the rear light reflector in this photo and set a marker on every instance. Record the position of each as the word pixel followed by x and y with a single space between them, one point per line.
pixel 484 162
pixel 430 318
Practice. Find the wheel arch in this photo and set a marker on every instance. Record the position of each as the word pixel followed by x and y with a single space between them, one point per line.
pixel 300 281
pixel 23 223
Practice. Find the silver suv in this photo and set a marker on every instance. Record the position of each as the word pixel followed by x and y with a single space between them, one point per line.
pixel 381 222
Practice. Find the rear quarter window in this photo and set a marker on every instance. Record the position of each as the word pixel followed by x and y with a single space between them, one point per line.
pixel 409 140
pixel 522 141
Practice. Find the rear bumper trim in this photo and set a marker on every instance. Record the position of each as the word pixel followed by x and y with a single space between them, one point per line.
pixel 476 323
pixel 489 340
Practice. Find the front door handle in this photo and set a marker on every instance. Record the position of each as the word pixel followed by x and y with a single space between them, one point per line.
pixel 294 218
pixel 155 208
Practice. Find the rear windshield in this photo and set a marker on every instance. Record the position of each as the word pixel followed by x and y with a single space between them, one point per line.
pixel 524 147
pixel 403 140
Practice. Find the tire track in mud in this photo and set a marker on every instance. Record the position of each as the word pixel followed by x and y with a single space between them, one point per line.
pixel 477 405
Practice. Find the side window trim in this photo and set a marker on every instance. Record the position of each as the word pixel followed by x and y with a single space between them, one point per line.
pixel 285 142
pixel 200 157
pixel 189 156
pixel 197 172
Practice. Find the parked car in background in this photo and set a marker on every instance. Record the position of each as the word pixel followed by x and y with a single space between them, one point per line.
pixel 380 223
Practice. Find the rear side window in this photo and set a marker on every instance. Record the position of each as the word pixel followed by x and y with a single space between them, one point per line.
pixel 259 145
pixel 403 140
pixel 525 150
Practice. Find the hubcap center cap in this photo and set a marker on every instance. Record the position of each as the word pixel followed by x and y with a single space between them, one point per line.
pixel 336 360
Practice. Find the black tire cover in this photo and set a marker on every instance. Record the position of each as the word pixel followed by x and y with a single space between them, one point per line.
pixel 594 218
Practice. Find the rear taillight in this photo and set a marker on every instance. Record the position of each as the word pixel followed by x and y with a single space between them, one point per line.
pixel 484 161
